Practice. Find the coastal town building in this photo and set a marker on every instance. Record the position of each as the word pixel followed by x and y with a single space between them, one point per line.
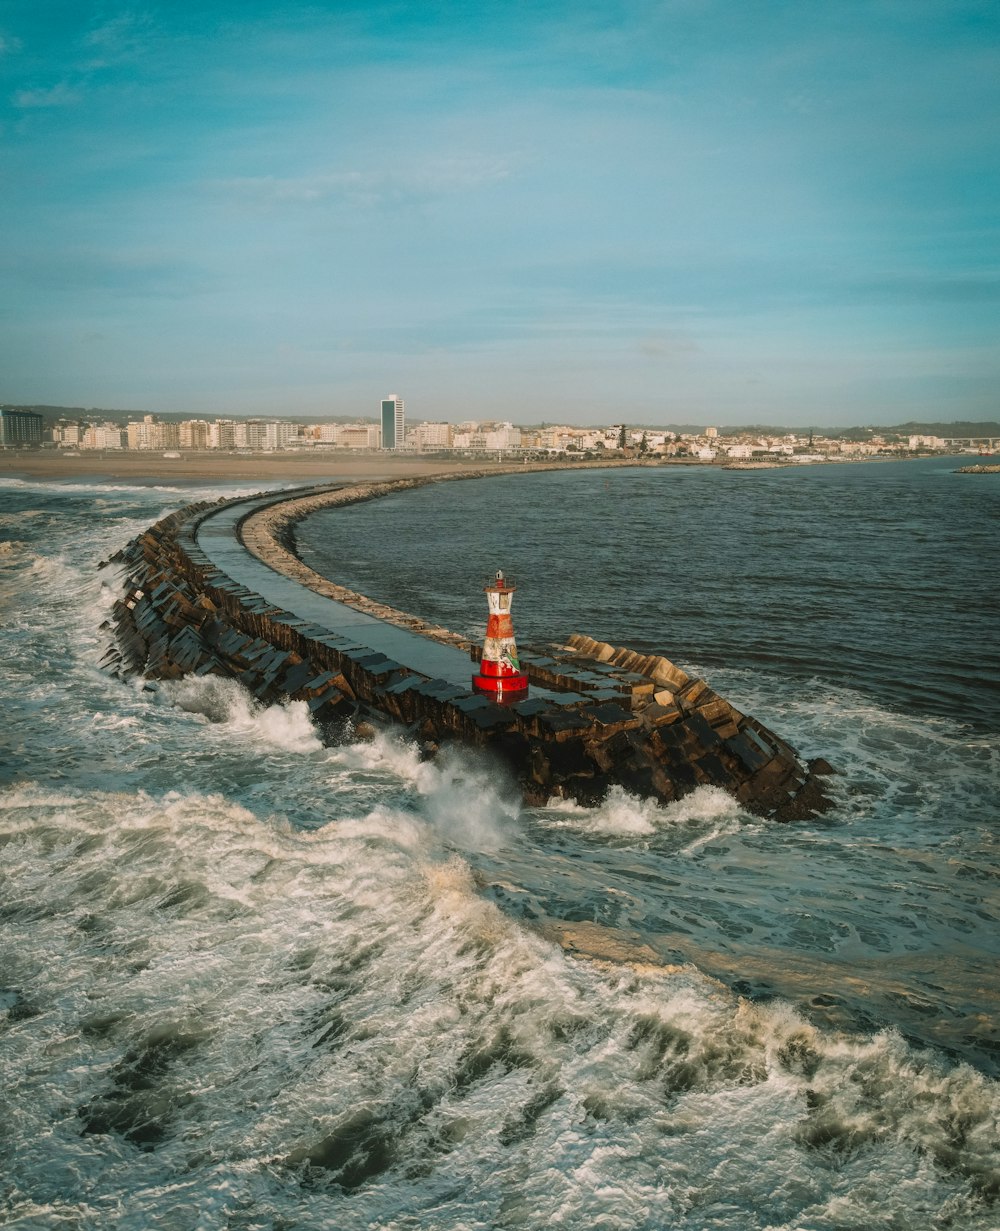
pixel 150 433
pixel 393 422
pixel 431 436
pixel 193 434
pixel 20 429
pixel 222 434
pixel 66 435
pixel 251 434
pixel 503 436
pixel 104 436
pixel 341 435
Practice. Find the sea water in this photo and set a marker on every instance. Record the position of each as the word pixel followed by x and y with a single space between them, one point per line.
pixel 251 981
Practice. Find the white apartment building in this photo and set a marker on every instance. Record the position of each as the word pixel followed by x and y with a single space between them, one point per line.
pixel 431 436
pixel 103 436
pixel 145 434
pixel 279 434
pixel 150 433
pixel 503 436
pixel 359 436
pixel 67 435
pixel 249 435
pixel 222 434
pixel 193 434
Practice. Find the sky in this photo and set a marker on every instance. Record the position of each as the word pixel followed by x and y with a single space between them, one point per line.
pixel 651 211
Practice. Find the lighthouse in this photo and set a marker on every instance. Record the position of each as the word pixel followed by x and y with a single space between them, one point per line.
pixel 500 674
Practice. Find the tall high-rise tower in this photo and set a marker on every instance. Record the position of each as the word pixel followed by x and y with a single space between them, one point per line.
pixel 393 422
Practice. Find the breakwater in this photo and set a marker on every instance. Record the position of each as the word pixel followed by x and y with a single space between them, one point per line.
pixel 597 715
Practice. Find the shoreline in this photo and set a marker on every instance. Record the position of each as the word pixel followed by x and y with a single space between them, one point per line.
pixel 211 468
pixel 207 469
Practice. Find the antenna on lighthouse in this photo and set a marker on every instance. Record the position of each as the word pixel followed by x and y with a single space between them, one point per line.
pixel 500 675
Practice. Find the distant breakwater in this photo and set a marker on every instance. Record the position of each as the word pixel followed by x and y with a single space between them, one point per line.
pixel 598 716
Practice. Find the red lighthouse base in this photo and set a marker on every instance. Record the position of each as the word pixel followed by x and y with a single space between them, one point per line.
pixel 500 682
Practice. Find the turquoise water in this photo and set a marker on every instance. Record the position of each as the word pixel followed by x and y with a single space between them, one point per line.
pixel 251 981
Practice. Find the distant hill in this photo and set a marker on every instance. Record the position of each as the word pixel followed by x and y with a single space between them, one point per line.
pixel 958 428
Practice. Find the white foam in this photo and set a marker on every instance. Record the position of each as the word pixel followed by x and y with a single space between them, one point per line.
pixel 286 726
pixel 312 979
pixel 467 802
pixel 70 486
pixel 622 815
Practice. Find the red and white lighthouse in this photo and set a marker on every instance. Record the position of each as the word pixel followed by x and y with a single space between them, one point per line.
pixel 500 673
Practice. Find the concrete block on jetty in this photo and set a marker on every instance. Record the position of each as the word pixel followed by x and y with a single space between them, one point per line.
pixel 596 715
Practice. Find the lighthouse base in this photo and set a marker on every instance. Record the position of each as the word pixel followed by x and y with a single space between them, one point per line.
pixel 513 687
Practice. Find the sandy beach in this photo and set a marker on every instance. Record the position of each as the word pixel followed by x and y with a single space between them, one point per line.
pixel 265 468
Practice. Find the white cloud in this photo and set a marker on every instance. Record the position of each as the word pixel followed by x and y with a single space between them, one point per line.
pixel 61 95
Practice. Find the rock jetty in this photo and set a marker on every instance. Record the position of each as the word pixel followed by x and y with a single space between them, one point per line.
pixel 599 715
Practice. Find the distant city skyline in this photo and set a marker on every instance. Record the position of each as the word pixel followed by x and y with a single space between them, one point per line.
pixel 55 413
pixel 678 212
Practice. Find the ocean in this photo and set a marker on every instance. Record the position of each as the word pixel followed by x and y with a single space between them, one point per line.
pixel 250 981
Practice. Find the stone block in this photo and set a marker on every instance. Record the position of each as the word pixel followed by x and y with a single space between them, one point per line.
pixel 657 715
pixel 475 701
pixel 693 691
pixel 715 711
pixel 490 717
pixel 612 716
pixel 568 758
pixel 563 722
pixel 747 753
pixel 715 772
pixel 700 730
pixel 665 672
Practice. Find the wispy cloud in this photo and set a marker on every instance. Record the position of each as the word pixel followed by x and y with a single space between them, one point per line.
pixel 9 45
pixel 122 39
pixel 368 188
pixel 59 95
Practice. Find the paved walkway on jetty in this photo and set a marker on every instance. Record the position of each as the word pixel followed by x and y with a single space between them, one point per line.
pixel 216 535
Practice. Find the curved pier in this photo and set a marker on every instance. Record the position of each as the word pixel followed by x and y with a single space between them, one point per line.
pixel 216 589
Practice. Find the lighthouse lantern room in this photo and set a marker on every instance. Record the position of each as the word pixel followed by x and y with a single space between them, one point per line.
pixel 500 675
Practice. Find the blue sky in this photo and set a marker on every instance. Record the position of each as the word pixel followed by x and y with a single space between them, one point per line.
pixel 689 211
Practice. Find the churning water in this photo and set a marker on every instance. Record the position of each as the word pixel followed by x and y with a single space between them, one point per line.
pixel 249 981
